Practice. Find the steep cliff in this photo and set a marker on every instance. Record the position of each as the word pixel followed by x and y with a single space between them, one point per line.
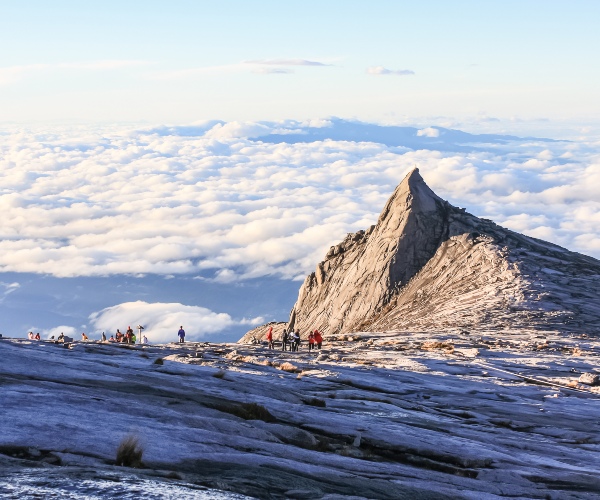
pixel 429 265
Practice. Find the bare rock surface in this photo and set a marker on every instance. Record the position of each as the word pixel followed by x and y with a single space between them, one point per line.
pixel 391 415
pixel 427 265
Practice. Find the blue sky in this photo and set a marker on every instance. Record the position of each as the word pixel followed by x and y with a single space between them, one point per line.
pixel 182 61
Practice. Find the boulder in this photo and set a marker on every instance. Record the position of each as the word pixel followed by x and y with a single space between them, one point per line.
pixel 589 379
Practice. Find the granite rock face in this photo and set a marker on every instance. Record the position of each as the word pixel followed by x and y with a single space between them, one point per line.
pixel 428 265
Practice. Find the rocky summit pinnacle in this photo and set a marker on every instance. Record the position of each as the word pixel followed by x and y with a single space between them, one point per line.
pixel 427 265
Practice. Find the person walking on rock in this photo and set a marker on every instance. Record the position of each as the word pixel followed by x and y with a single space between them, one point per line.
pixel 103 337
pixel 296 340
pixel 270 337
pixel 181 334
pixel 284 340
pixel 318 339
pixel 311 341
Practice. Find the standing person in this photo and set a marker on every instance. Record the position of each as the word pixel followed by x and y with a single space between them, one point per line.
pixel 119 336
pixel 318 339
pixel 284 339
pixel 181 334
pixel 144 339
pixel 103 337
pixel 129 335
pixel 37 336
pixel 84 336
pixel 270 337
pixel 296 339
pixel 311 341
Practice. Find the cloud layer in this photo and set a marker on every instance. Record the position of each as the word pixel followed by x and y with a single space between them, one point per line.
pixel 213 200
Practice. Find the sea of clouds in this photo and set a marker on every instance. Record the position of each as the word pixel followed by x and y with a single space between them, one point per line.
pixel 220 202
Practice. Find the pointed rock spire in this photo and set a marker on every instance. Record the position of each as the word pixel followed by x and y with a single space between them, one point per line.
pixel 429 265
pixel 359 275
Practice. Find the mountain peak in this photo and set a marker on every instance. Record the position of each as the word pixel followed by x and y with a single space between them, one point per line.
pixel 427 264
pixel 411 194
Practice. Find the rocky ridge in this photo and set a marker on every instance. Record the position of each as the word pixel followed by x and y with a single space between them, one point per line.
pixel 375 415
pixel 428 265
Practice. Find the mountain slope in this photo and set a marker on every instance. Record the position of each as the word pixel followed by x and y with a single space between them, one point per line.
pixel 429 265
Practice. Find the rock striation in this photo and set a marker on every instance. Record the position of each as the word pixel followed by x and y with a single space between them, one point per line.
pixel 428 265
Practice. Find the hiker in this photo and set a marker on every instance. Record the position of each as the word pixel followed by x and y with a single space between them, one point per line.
pixel 318 339
pixel 30 335
pixel 270 337
pixel 37 336
pixel 111 339
pixel 84 336
pixel 119 336
pixel 284 340
pixel 296 339
pixel 61 337
pixel 181 334
pixel 103 337
pixel 129 335
pixel 144 339
pixel 311 341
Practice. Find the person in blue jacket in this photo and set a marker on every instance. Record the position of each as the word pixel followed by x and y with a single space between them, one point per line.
pixel 181 334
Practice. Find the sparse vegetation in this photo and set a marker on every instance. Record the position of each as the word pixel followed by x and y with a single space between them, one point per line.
pixel 219 374
pixel 129 452
pixel 159 361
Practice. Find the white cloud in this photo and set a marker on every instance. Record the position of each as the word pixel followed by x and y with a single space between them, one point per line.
pixel 261 66
pixel 208 200
pixel 7 288
pixel 69 331
pixel 287 62
pixel 428 132
pixel 272 71
pixel 162 320
pixel 380 70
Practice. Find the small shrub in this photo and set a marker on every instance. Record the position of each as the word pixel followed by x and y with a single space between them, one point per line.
pixel 129 452
pixel 219 374
pixel 159 361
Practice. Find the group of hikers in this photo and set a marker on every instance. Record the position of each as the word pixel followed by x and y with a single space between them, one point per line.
pixel 290 339
pixel 127 338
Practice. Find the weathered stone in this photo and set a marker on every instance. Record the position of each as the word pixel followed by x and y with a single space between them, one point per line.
pixel 589 379
pixel 429 266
